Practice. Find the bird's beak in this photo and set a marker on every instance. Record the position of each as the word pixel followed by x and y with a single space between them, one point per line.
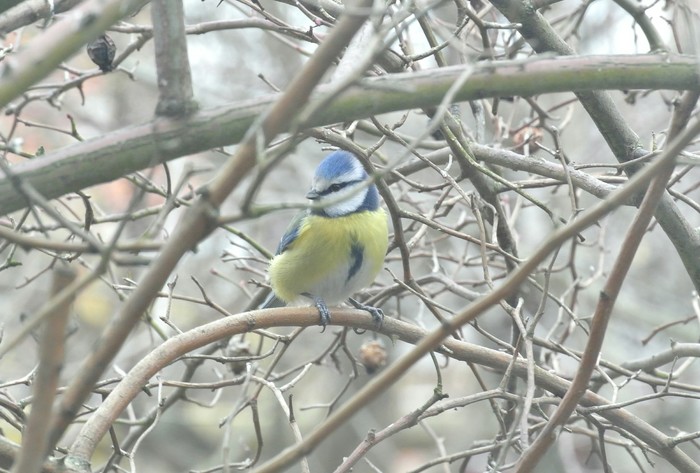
pixel 312 195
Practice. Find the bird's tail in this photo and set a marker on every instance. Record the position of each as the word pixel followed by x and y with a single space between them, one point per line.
pixel 272 301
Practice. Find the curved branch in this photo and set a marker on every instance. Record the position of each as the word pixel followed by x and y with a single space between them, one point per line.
pixel 98 424
pixel 199 219
pixel 639 13
pixel 435 339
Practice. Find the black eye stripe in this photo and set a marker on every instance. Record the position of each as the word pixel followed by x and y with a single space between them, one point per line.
pixel 337 186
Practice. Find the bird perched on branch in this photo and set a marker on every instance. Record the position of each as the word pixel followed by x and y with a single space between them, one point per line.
pixel 337 246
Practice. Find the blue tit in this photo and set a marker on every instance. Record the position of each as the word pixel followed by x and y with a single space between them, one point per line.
pixel 336 247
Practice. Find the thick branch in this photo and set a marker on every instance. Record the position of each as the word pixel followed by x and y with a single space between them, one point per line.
pixel 175 96
pixel 198 221
pixel 510 284
pixel 131 149
pixel 51 352
pixel 620 137
pixel 29 11
pixel 131 385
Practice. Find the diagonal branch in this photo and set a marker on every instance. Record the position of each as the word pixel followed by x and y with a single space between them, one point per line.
pixel 510 284
pixel 124 151
pixel 51 353
pixel 604 308
pixel 198 221
pixel 58 43
pixel 621 138
pixel 98 424
pixel 29 11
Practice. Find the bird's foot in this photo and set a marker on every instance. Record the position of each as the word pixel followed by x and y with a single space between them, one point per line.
pixel 376 313
pixel 322 310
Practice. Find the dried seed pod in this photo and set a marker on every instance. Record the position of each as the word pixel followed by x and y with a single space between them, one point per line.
pixel 373 355
pixel 102 52
pixel 528 139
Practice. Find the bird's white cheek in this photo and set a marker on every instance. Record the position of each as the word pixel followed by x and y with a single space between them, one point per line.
pixel 345 206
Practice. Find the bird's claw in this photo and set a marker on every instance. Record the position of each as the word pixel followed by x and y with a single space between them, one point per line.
pixel 375 312
pixel 323 312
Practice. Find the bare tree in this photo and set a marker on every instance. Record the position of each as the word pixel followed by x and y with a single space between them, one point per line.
pixel 538 165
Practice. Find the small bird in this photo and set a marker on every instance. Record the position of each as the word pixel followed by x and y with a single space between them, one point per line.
pixel 337 246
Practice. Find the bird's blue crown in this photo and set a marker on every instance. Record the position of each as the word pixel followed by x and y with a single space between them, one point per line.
pixel 339 163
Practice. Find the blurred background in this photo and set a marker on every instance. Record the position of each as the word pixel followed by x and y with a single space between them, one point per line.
pixel 241 61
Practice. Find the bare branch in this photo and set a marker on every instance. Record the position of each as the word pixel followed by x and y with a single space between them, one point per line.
pixel 59 42
pixel 174 80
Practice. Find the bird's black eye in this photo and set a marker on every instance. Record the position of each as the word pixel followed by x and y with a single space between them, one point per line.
pixel 335 187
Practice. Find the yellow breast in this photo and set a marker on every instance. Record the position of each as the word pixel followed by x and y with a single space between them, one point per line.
pixel 320 260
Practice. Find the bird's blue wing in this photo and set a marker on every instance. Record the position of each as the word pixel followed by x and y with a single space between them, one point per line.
pixel 292 232
pixel 271 301
pixel 287 239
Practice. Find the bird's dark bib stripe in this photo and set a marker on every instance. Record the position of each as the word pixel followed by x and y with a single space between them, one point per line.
pixel 356 256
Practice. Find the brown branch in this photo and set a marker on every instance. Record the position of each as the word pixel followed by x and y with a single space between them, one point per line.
pixel 175 96
pixel 99 422
pixel 620 137
pixel 373 438
pixel 124 151
pixel 46 52
pixel 682 112
pixel 199 220
pixel 29 11
pixel 606 302
pixel 431 341
pixel 225 25
pixel 51 351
